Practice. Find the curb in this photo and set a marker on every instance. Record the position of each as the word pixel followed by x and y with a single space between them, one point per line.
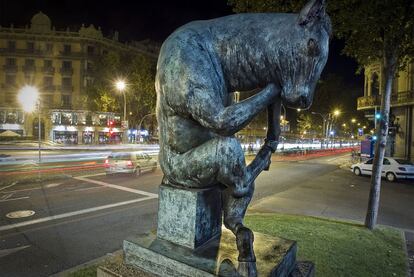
pixel 87 264
pixel 409 247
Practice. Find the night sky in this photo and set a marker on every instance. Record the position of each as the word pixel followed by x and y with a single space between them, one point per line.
pixel 138 20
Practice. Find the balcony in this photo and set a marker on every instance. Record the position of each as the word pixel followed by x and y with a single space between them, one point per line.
pixel 403 98
pixel 29 69
pixel 66 89
pixel 50 70
pixel 49 88
pixel 10 68
pixel 66 71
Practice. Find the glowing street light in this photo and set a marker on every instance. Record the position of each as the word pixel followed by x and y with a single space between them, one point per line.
pixel 29 99
pixel 336 112
pixel 120 85
pixel 353 120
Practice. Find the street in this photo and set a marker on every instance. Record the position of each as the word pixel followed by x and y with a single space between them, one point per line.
pixel 79 219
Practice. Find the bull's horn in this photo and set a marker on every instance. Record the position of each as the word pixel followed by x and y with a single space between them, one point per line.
pixel 312 11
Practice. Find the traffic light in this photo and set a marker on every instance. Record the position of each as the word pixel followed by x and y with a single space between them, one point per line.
pixel 378 116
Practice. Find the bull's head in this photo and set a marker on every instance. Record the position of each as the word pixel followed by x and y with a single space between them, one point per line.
pixel 304 55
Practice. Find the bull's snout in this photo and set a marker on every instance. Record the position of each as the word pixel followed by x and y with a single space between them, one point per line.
pixel 301 102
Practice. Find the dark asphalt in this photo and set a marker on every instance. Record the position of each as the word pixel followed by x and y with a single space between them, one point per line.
pixel 79 226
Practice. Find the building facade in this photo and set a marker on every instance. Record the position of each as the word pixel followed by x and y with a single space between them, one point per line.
pixel 58 63
pixel 400 137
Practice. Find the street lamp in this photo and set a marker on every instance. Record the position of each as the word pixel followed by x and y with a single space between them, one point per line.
pixel 121 86
pixel 324 118
pixel 139 125
pixel 29 98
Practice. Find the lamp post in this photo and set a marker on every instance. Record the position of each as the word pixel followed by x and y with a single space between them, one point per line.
pixel 29 98
pixel 139 125
pixel 120 86
pixel 324 119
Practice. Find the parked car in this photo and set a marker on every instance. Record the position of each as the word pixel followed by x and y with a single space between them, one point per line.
pixel 392 169
pixel 129 162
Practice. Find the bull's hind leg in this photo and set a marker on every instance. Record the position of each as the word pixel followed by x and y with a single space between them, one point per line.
pixel 236 199
pixel 222 160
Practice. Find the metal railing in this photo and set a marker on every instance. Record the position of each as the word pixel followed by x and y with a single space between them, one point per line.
pixel 397 99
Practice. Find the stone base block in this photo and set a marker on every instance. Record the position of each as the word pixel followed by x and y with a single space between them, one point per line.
pixel 274 256
pixel 189 217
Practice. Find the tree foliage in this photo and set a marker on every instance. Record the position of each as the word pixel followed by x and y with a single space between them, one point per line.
pixel 365 25
pixel 139 73
pixel 374 31
pixel 306 122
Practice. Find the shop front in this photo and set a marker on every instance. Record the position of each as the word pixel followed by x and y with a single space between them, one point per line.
pixel 65 137
pixel 110 136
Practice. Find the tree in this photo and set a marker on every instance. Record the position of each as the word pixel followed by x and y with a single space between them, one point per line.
pixel 139 72
pixel 373 31
pixel 142 88
pixel 377 31
pixel 306 123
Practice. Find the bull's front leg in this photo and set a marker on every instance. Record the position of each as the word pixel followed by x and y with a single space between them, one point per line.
pixel 209 111
pixel 273 127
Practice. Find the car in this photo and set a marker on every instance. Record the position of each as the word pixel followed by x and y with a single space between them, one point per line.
pixel 392 169
pixel 129 162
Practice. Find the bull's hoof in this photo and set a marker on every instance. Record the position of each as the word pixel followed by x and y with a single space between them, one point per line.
pixel 247 269
pixel 244 240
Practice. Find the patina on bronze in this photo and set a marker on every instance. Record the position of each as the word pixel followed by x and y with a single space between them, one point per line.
pixel 200 65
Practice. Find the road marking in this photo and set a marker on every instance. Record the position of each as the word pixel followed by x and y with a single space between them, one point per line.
pixel 87 188
pixel 70 214
pixel 7 196
pixel 52 185
pixel 6 252
pixel 12 184
pixel 12 199
pixel 338 157
pixel 92 175
pixel 117 187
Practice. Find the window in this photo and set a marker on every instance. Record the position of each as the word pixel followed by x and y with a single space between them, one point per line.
pixel 48 100
pixel 66 102
pixel 89 82
pixel 67 48
pixel 29 79
pixel 66 82
pixel 30 46
pixel 67 64
pixel 10 80
pixel 49 47
pixel 369 161
pixel 89 66
pixel 47 63
pixel 10 61
pixel 11 45
pixel 47 82
pixel 30 62
pixel 374 84
pixel 386 162
pixel 90 50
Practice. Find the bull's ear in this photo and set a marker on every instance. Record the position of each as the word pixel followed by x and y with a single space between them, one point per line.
pixel 311 12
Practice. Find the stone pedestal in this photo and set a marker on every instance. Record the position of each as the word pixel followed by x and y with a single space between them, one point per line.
pixel 190 241
pixel 274 256
pixel 189 217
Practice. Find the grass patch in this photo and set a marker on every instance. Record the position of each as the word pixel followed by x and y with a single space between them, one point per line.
pixel 89 271
pixel 338 248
